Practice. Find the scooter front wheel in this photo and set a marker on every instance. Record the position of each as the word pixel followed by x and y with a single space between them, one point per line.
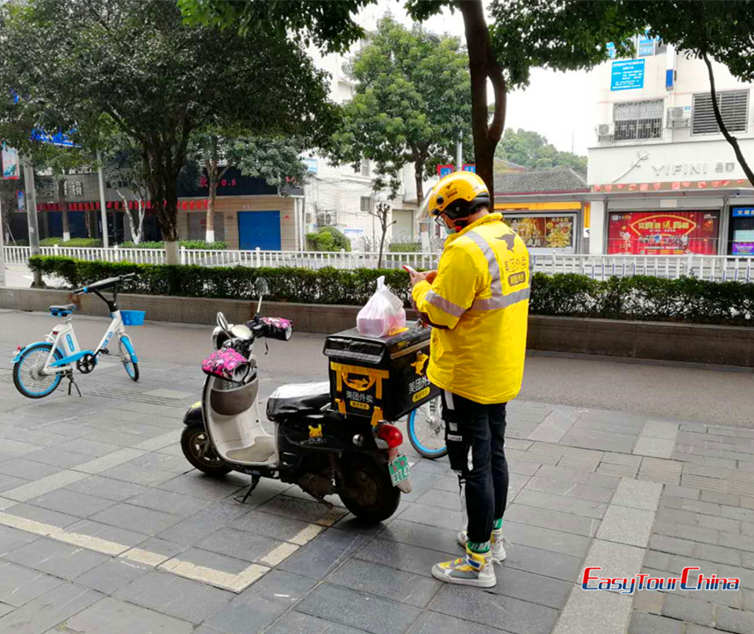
pixel 198 449
pixel 367 490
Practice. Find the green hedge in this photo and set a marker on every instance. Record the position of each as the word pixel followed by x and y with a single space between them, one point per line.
pixel 405 247
pixel 73 242
pixel 189 244
pixel 640 297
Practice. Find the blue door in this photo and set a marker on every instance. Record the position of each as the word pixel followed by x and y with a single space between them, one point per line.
pixel 259 229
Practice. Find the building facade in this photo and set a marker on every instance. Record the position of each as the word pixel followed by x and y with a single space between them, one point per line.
pixel 662 178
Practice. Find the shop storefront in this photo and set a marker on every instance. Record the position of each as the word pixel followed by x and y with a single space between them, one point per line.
pixel 549 209
pixel 741 237
pixel 660 232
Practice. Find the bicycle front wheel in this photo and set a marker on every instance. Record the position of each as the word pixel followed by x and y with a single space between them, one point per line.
pixel 128 358
pixel 28 375
pixel 426 430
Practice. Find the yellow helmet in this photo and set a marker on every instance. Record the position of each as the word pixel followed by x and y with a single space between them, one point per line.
pixel 457 195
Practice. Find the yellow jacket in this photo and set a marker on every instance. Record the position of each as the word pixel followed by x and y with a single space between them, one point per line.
pixel 480 301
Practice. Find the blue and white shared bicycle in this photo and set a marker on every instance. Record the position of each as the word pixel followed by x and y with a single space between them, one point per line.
pixel 39 367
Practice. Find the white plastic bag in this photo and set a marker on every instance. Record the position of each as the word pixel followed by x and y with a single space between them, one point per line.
pixel 383 314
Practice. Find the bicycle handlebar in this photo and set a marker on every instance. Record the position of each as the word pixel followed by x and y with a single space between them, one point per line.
pixel 103 284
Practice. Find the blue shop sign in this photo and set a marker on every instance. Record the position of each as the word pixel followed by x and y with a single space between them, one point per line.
pixel 627 75
pixel 743 212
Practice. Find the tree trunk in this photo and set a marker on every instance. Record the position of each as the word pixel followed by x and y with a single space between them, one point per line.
pixel 483 65
pixel 63 210
pixel 721 124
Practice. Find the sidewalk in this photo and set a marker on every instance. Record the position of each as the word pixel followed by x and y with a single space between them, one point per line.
pixel 588 487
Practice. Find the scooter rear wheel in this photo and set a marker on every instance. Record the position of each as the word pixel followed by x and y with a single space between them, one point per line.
pixel 368 492
pixel 199 451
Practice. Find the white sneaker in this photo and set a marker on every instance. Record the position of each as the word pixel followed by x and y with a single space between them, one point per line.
pixel 497 550
pixel 475 569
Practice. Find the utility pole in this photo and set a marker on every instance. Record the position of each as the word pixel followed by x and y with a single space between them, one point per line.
pixel 2 245
pixel 102 202
pixel 31 216
pixel 459 152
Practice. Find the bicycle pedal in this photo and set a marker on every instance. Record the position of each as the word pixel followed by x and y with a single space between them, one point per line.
pixel 104 351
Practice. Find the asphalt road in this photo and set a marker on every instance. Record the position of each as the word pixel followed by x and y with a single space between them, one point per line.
pixel 671 392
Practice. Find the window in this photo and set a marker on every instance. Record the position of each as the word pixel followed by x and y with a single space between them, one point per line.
pixel 638 120
pixel 734 108
pixel 366 203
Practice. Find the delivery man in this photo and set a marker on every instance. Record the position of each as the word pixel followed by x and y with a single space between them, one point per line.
pixel 478 301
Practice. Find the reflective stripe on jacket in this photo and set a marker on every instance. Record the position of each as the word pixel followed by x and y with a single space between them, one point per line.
pixel 480 300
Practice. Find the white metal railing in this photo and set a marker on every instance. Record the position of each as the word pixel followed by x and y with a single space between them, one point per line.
pixel 708 267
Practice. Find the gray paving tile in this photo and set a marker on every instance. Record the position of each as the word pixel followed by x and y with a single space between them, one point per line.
pixel 386 582
pixel 202 486
pixel 58 457
pixel 249 616
pixel 56 558
pixel 48 610
pixel 545 563
pixel 436 623
pixel 494 610
pixel 594 613
pixel 546 539
pixel 239 544
pixel 71 502
pixel 175 596
pixel 193 529
pixel 561 503
pixel 269 525
pixel 116 617
pixel 644 623
pixel 735 620
pixel 107 488
pixel 358 609
pixel 673 545
pixel 296 508
pixel 10 482
pixel 441 499
pixel 298 623
pixel 423 535
pixel 10 539
pixel 278 585
pixel 432 516
pixel 137 518
pixel 25 469
pixel 626 525
pixel 321 555
pixel 19 585
pixel 5 609
pixel 168 501
pixel 402 556
pixel 105 531
pixel 556 520
pixel 693 610
pixel 112 575
pixel 38 514
pixel 526 586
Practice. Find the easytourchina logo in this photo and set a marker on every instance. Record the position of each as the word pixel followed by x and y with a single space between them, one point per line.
pixel 691 578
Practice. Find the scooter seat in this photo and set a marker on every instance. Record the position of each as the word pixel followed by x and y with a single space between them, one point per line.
pixel 62 311
pixel 298 398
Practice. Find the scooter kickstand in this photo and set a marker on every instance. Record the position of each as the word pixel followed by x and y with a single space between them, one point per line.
pixel 255 477
pixel 72 383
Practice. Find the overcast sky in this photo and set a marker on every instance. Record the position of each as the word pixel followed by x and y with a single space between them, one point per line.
pixel 557 105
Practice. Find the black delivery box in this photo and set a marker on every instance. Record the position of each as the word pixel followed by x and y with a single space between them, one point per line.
pixel 381 378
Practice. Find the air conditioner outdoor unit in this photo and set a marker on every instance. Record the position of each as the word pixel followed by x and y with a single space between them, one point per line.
pixel 678 117
pixel 605 132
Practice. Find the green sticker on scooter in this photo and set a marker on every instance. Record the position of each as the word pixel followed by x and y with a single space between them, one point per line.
pixel 398 470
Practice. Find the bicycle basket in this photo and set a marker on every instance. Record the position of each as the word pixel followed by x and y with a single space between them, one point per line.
pixel 133 317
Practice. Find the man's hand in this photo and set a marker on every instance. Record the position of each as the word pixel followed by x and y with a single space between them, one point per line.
pixel 415 277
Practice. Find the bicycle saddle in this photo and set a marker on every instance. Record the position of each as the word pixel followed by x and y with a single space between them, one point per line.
pixel 62 311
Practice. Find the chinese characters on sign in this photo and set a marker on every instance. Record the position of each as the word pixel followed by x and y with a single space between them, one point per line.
pixel 627 75
pixel 651 233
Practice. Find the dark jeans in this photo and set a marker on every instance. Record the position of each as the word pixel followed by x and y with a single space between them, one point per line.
pixel 475 437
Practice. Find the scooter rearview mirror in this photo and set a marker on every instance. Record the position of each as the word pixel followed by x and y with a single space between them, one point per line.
pixel 222 322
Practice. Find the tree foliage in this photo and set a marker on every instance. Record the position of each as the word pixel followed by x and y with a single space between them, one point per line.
pixel 412 100
pixel 157 78
pixel 531 149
